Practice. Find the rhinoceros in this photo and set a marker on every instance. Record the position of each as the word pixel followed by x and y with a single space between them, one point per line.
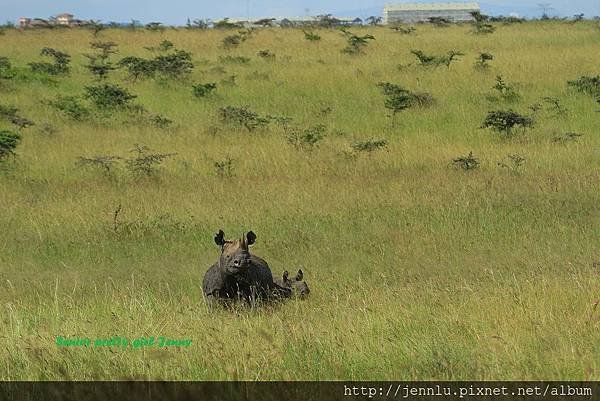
pixel 238 274
pixel 294 287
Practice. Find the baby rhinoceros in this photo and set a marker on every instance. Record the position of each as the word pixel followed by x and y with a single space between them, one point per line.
pixel 237 274
pixel 294 287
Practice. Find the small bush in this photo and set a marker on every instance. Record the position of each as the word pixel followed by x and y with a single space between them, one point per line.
pixel 236 39
pixel 6 70
pixel 311 36
pixel 197 24
pixel 468 162
pixel 484 29
pixel 8 143
pixel 506 91
pixel 100 65
pixel 96 27
pixel 174 65
pixel 138 67
pixel 355 43
pixel 512 162
pixel 482 60
pixel 507 121
pixel 109 96
pixel 555 106
pixel 587 85
pixel 106 163
pixel 203 90
pixel 266 54
pixel 224 168
pixel 436 61
pixel 160 121
pixel 60 65
pixel 70 106
pixel 163 46
pixel 369 145
pixel 242 116
pixel 281 120
pixel 145 163
pixel 11 114
pixel 399 98
pixel 305 139
pixel 405 31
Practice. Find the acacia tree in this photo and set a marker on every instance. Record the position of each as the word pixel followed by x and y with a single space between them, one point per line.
pixel 372 20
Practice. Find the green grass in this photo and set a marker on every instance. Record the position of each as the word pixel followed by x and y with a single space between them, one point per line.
pixel 417 269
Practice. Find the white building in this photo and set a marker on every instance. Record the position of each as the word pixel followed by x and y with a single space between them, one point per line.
pixel 64 19
pixel 421 12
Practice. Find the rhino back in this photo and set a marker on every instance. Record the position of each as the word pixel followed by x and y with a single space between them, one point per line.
pixel 260 273
pixel 212 280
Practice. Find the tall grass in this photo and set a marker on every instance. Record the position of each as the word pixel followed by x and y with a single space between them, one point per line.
pixel 417 270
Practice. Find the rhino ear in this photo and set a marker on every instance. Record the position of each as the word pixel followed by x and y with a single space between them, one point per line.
pixel 285 275
pixel 220 238
pixel 300 275
pixel 251 237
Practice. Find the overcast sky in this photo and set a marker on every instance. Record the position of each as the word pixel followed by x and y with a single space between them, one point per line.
pixel 177 11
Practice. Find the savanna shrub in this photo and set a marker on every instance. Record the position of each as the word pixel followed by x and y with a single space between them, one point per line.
pixel 369 145
pixel 100 64
pixel 138 67
pixel 311 36
pixel 588 85
pixel 512 162
pixel 506 91
pixel 305 139
pixel 70 106
pixel 108 96
pixel 243 116
pixel 224 168
pixel 203 90
pixel 145 163
pixel 232 41
pixel 567 138
pixel 468 162
pixel 355 43
pixel 435 61
pixel 161 122
pixel 506 121
pixel 11 114
pixel 266 54
pixel 399 98
pixel 6 71
pixel 482 60
pixel 106 163
pixel 405 31
pixel 174 65
pixel 60 66
pixel 8 143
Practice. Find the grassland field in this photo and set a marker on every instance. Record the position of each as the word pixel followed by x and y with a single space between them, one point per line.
pixel 418 269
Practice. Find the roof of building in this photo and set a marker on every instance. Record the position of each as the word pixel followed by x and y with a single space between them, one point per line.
pixel 431 6
pixel 64 15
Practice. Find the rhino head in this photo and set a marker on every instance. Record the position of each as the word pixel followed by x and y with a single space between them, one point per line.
pixel 235 256
pixel 296 284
